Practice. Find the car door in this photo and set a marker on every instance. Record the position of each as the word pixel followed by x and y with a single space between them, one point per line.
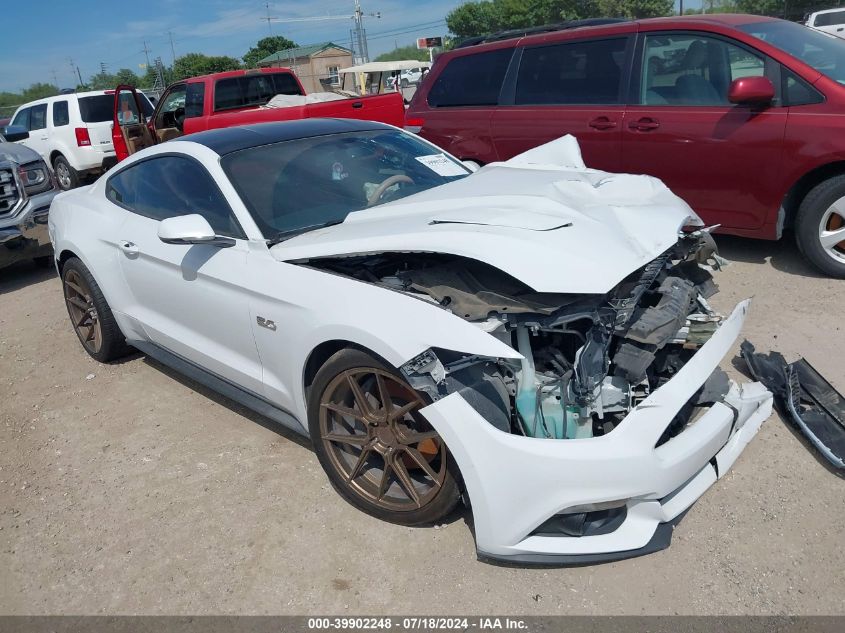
pixel 718 156
pixel 188 299
pixel 570 87
pixel 39 137
pixel 129 127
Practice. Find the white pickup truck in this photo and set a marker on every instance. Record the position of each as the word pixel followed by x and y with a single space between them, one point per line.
pixel 829 21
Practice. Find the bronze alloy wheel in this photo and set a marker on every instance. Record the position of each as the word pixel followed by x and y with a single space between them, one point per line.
pixel 83 313
pixel 375 439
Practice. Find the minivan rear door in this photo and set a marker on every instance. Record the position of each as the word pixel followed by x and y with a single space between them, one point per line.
pixel 566 87
pixel 461 102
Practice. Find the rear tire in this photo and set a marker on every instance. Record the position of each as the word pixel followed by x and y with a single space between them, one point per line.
pixel 67 176
pixel 90 314
pixel 385 460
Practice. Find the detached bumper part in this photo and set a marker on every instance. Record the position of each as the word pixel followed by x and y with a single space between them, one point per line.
pixel 806 398
pixel 518 484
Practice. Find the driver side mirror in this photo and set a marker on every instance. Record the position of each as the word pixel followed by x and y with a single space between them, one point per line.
pixel 14 133
pixel 751 91
pixel 191 229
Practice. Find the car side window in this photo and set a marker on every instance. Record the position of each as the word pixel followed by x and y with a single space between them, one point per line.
pixel 471 80
pixel 797 91
pixel 169 110
pixel 60 114
pixel 194 99
pixel 693 70
pixel 587 72
pixel 22 118
pixel 38 117
pixel 169 186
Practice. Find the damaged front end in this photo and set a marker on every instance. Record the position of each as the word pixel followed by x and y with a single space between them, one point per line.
pixel 613 418
pixel 587 360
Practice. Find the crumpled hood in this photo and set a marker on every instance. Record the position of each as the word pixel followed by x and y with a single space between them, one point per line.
pixel 541 217
pixel 17 153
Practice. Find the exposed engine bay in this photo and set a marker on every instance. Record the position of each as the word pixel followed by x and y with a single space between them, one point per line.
pixel 587 359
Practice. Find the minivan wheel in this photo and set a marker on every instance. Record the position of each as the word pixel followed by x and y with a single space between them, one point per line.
pixel 67 176
pixel 90 315
pixel 820 227
pixel 378 451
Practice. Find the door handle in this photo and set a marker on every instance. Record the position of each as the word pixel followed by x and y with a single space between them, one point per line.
pixel 130 248
pixel 357 105
pixel 602 123
pixel 644 124
pixel 44 138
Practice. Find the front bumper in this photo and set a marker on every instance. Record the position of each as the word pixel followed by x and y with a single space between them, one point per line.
pixel 515 483
pixel 25 236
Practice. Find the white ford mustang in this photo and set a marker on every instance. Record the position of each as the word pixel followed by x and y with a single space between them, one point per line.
pixel 534 336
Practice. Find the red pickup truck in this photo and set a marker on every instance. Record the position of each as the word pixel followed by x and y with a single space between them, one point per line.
pixel 237 97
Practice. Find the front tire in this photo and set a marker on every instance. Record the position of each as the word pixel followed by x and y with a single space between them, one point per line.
pixel 67 176
pixel 379 453
pixel 90 314
pixel 820 227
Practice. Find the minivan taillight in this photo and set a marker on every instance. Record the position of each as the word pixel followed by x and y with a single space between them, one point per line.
pixel 82 138
pixel 414 124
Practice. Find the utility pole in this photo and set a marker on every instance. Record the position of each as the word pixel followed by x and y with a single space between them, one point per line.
pixel 75 67
pixel 146 52
pixel 103 68
pixel 55 77
pixel 172 49
pixel 269 19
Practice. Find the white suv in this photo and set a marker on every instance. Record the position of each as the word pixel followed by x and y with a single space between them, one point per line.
pixel 72 132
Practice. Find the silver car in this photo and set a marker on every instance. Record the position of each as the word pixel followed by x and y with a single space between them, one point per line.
pixel 27 187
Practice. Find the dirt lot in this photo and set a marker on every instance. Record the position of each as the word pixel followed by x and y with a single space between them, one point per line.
pixel 126 489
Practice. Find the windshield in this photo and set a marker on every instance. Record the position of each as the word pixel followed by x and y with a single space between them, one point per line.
pixel 825 53
pixel 297 185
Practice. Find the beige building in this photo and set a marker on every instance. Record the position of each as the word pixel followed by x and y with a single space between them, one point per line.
pixel 315 65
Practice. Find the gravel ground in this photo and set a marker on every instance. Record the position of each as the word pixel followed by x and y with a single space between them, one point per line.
pixel 127 489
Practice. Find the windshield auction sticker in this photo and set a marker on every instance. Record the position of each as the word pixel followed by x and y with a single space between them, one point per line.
pixel 442 166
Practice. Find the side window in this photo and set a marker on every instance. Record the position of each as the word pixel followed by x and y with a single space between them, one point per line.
pixel 471 80
pixel 252 90
pixel 194 99
pixel 170 186
pixel 22 118
pixel 60 114
pixel 687 69
pixel 587 72
pixel 38 117
pixel 797 91
pixel 173 101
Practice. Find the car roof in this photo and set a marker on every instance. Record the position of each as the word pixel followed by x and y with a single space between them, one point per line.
pixel 597 28
pixel 232 139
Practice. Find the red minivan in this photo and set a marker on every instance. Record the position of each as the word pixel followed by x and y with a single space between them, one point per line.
pixel 742 116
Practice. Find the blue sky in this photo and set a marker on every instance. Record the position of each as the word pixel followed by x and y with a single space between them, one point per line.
pixel 37 40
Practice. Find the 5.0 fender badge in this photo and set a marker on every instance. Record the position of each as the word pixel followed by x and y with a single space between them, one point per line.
pixel 270 325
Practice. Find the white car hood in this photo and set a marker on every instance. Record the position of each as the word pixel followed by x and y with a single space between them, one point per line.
pixel 542 217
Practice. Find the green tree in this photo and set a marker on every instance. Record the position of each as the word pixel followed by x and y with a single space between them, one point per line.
pixel 108 81
pixel 404 52
pixel 488 16
pixel 264 47
pixel 480 17
pixel 38 91
pixel 636 9
pixel 194 64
